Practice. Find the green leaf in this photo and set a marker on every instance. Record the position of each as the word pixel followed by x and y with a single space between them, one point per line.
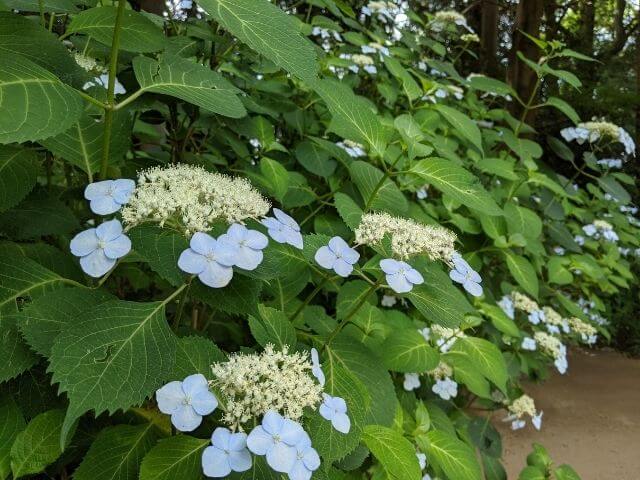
pixel 565 472
pixel 394 452
pixel 411 88
pixel 276 176
pixel 195 355
pixel 34 102
pixel 349 210
pixel 116 356
pixel 532 473
pixel 613 187
pixel 21 35
pixel 378 191
pixel 412 135
pixel 55 6
pixel 160 248
pixel 16 355
pixel 82 144
pixel 11 424
pixel 564 107
pixel 458 183
pixel 315 159
pixel 456 458
pixel 116 453
pixel 44 318
pixel 491 85
pixel 38 445
pixel 21 277
pixel 463 125
pixel 523 272
pixel 500 320
pixel 407 351
pixel 486 357
pixel 273 327
pixel 351 294
pixel 465 372
pixel 353 117
pixel 137 32
pixel 18 174
pixel 191 82
pixel 178 457
pixel 240 296
pixel 438 300
pixel 269 31
pixel 522 220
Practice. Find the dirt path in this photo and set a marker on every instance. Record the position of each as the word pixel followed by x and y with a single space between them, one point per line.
pixel 591 419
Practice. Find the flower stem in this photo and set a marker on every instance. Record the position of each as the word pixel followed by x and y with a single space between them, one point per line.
pixel 113 67
pixel 183 301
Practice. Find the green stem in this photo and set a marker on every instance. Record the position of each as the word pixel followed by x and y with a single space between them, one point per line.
pixel 183 301
pixel 129 99
pixel 113 67
pixel 309 298
pixel 527 107
pixel 90 99
pixel 41 7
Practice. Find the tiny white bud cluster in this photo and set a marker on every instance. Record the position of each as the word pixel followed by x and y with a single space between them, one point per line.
pixel 552 317
pixel 446 337
pixel 582 328
pixel 524 303
pixel 192 197
pixel 602 225
pixel 362 60
pixel 408 237
pixel 522 406
pixel 602 129
pixel 88 63
pixel 252 384
pixel 450 16
pixel 550 344
pixel 442 371
pixel 470 38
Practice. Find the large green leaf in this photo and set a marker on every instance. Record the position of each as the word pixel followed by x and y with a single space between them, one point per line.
pixel 11 424
pixel 378 191
pixel 522 220
pixel 353 117
pixel 35 104
pixel 195 355
pixel 16 355
pixel 486 357
pixel 191 82
pixel 116 453
pixel 55 6
pixel 396 454
pixel 407 351
pixel 456 458
pixel 117 355
pixel 38 445
pixel 174 458
pixel 522 271
pixel 18 173
pixel 458 183
pixel 137 33
pixel 82 144
pixel 269 31
pixel 464 126
pixel 272 327
pixel 348 209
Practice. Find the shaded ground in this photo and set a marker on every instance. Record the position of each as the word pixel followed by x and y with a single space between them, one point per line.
pixel 591 419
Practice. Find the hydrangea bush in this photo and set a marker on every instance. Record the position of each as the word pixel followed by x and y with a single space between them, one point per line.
pixel 292 240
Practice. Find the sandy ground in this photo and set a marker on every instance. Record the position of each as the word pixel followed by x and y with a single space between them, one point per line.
pixel 591 419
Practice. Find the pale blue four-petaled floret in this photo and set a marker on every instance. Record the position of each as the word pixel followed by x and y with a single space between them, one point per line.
pixel 400 276
pixel 411 381
pixel 465 275
pixel 228 453
pixel 108 196
pixel 445 388
pixel 283 229
pixel 187 401
pixel 316 367
pixel 210 259
pixel 337 256
pixel 246 244
pixel 307 460
pixel 99 248
pixel 334 409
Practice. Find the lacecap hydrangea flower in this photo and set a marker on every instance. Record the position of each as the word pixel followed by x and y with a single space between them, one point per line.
pixel 283 229
pixel 247 246
pixel 444 386
pixel 187 401
pixel 520 408
pixel 445 18
pixel 99 248
pixel 228 453
pixel 334 409
pixel 210 259
pixel 463 274
pixel 593 131
pixel 337 256
pixel 553 347
pixel 400 276
pixel 108 196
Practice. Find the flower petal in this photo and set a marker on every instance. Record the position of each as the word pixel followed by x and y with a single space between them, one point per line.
pixel 226 252
pixel 118 247
pixel 256 240
pixel 240 461
pixel 294 238
pixel 299 471
pixel 215 275
pixel 202 243
pixel 272 422
pixel 170 397
pixel 291 432
pixel 220 438
pixel 341 422
pixel 350 255
pixel 186 419
pixel 414 276
pixel 339 405
pixel 98 189
pixel 110 230
pixel 342 268
pixel 96 264
pixel 259 440
pixel 311 459
pixel 238 441
pixel 473 288
pixel 286 219
pixel 338 245
pixel 390 266
pixel 248 258
pixel 281 457
pixel 191 262
pixel 456 276
pixel 105 205
pixel 325 257
pixel 204 402
pixel 326 411
pixel 215 463
pixel 84 243
pixel 123 188
pixel 398 283
pixel 237 232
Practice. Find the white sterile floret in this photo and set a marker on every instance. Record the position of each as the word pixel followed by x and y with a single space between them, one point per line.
pixel 524 303
pixel 252 384
pixel 408 237
pixel 192 198
pixel 354 149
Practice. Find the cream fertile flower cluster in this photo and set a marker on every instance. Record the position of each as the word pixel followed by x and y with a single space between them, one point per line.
pixel 408 238
pixel 447 18
pixel 192 198
pixel 587 332
pixel 252 384
pixel 521 407
pixel 594 131
pixel 553 347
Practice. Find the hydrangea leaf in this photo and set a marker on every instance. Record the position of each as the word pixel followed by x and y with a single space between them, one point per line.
pixel 500 320
pixel 269 31
pixel 395 453
pixel 161 248
pixel 331 444
pixel 522 220
pixel 486 357
pixel 378 191
pixel 195 355
pixel 11 424
pixel 349 210
pixel 173 458
pixel 407 351
pixel 240 296
pixel 315 159
pixel 45 317
pixel 115 357
pixel 276 177
pixel 191 82
pixel 38 445
pixel 272 327
pixel 137 33
pixel 259 470
pixel 463 125
pixel 34 102
pixel 48 256
pixel 16 355
pixel 465 372
pixel 350 295
pixel 522 271
pixel 18 173
pixel 55 6
pixel 117 452
pixel 456 458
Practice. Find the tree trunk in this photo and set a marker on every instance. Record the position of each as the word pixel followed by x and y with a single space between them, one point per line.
pixel 489 37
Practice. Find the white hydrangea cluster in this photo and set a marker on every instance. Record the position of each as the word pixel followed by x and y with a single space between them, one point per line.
pixel 252 384
pixel 470 38
pixel 408 238
pixel 587 332
pixel 601 229
pixel 445 337
pixel 520 408
pixel 442 371
pixel 193 198
pixel 448 17
pixel 554 348
pixel 595 130
pixel 392 14
pixel 354 149
pixel 360 61
pixel 524 303
pixel 327 37
pixel 88 63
